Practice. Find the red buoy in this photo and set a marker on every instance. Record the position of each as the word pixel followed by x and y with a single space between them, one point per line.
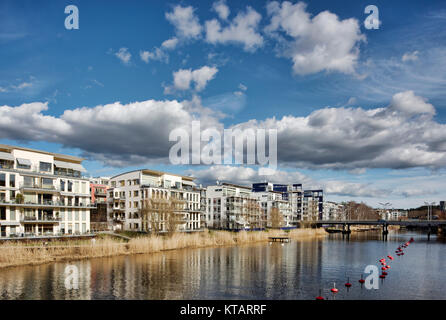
pixel 334 290
pixel 348 284
pixel 385 273
pixel 390 257
pixel 383 268
pixel 382 276
pixel 320 297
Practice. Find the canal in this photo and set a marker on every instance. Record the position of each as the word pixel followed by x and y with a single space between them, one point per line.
pixel 295 270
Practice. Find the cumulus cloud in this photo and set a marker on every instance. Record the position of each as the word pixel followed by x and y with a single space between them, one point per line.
pixel 185 21
pixel 410 56
pixel 170 44
pixel 183 78
pixel 243 29
pixel 408 103
pixel 319 43
pixel 156 55
pixel 116 134
pixel 221 9
pixel 124 55
pixel 402 135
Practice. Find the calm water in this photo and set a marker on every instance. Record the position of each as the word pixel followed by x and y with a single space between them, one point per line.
pixel 293 271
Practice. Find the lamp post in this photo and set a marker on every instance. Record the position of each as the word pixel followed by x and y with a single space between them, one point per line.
pixel 385 205
pixel 429 209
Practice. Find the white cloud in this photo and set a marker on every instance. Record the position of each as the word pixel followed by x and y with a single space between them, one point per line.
pixel 170 44
pixel 243 29
pixel 410 56
pixel 124 134
pixel 124 55
pixel 183 78
pixel 409 103
pixel 185 21
pixel 156 55
pixel 321 43
pixel 401 135
pixel 221 9
pixel 242 87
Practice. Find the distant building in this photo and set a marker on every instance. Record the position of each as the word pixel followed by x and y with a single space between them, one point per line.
pixel 332 211
pixel 443 206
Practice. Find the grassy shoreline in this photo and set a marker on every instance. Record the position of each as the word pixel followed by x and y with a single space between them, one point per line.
pixel 13 255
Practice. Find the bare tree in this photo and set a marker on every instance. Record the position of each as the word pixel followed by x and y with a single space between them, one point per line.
pixel 253 213
pixel 276 218
pixel 173 215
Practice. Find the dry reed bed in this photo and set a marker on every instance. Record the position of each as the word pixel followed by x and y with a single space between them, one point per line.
pixel 20 254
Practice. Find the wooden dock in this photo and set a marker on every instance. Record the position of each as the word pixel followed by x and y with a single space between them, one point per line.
pixel 279 239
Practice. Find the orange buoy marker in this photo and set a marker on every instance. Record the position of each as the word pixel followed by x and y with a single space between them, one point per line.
pixel 348 284
pixel 390 257
pixel 320 297
pixel 334 290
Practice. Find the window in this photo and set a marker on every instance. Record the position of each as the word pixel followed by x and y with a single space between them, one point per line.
pixel 45 166
pixel 113 183
pixel 12 180
pixel 23 164
pixel 70 228
pixel 70 215
pixel 76 227
pixel 2 180
pixel 135 193
pixel 84 187
pixel 62 214
pixel 11 195
pixel 12 213
pixel 122 183
pixel 76 215
pixel 2 213
pixel 70 186
pixel 62 185
pixel 84 215
pixel 84 227
pixel 47 183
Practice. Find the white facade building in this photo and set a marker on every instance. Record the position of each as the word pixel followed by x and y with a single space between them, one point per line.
pixel 128 191
pixel 42 193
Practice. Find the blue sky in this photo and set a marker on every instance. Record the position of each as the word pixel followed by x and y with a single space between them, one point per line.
pixel 366 121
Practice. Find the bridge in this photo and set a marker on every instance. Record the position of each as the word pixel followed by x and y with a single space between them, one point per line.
pixel 428 224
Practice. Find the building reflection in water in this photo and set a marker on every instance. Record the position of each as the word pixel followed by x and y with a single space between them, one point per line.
pixel 262 271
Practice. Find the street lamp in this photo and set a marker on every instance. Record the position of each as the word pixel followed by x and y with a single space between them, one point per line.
pixel 385 205
pixel 429 209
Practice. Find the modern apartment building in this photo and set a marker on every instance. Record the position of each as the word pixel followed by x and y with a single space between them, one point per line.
pixel 130 191
pixel 42 193
pixel 332 211
pixel 231 206
pixel 304 204
pixel 98 215
pixel 313 205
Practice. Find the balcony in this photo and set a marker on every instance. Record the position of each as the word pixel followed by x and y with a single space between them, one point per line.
pixel 48 203
pixel 38 187
pixel 42 219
